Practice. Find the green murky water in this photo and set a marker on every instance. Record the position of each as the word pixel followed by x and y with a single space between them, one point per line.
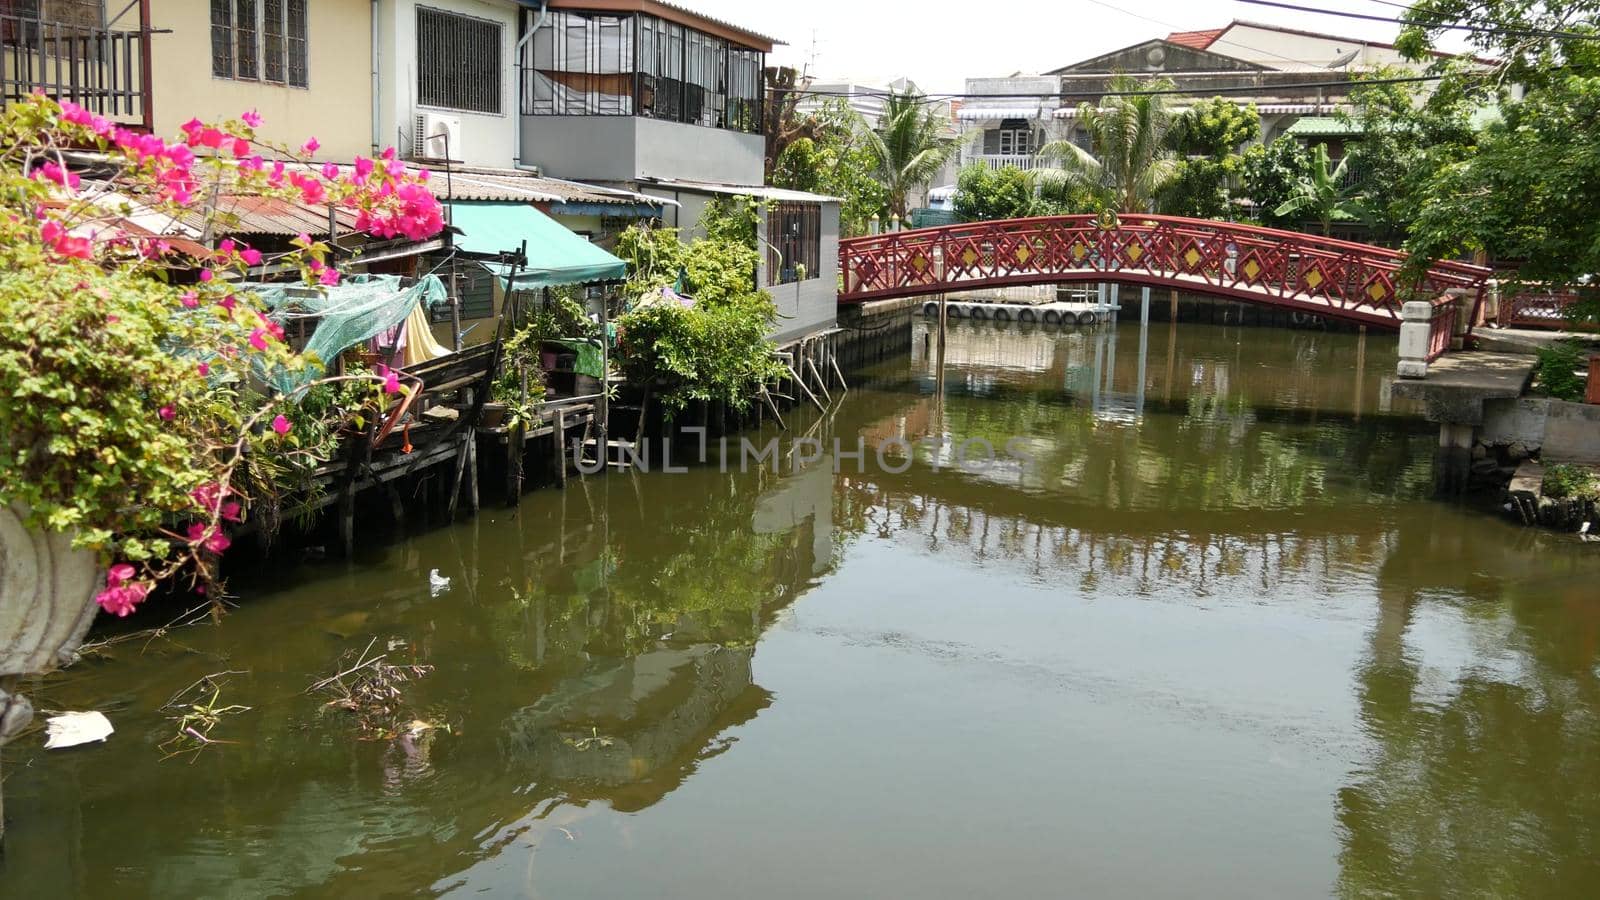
pixel 1216 640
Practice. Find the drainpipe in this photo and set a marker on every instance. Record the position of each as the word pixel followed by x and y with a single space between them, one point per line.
pixel 544 16
pixel 377 82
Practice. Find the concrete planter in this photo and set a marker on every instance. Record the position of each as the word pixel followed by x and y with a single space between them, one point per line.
pixel 46 606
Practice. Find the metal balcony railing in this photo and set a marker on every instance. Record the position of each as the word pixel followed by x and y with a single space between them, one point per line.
pixel 103 69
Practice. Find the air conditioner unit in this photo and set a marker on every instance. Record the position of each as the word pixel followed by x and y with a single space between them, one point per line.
pixel 437 137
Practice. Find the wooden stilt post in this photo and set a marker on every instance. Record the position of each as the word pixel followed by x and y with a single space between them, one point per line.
pixel 516 449
pixel 801 383
pixel 455 483
pixel 822 383
pixel 472 473
pixel 559 438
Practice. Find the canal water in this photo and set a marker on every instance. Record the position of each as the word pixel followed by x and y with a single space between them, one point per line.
pixel 1202 632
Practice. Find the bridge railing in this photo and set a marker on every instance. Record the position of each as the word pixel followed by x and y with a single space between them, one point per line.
pixel 1310 272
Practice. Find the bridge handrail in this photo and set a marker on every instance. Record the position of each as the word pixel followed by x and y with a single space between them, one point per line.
pixel 1480 273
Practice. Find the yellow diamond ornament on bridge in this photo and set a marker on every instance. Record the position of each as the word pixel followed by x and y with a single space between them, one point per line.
pixel 1134 252
pixel 1192 257
pixel 1314 278
pixel 1023 254
pixel 1251 270
pixel 970 256
pixel 920 263
pixel 1377 291
pixel 1078 252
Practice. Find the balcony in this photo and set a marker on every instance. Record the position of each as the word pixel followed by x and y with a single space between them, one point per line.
pixel 1002 160
pixel 103 69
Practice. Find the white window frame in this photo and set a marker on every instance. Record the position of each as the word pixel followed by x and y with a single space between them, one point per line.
pixel 260 38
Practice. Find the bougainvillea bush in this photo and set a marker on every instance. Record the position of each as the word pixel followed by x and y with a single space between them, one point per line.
pixel 132 414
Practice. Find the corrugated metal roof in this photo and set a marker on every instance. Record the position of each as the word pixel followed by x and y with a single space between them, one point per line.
pixel 981 113
pixel 1323 126
pixel 746 190
pixel 510 184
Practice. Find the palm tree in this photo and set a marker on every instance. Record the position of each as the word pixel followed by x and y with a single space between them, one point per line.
pixel 910 146
pixel 1323 194
pixel 1130 158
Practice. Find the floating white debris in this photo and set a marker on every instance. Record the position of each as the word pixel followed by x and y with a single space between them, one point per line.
pixel 437 584
pixel 73 728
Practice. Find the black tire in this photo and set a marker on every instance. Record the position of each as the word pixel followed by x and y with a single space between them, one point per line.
pixel 1052 317
pixel 956 311
pixel 1087 318
pixel 1068 317
pixel 931 308
pixel 1027 314
pixel 1001 314
pixel 979 312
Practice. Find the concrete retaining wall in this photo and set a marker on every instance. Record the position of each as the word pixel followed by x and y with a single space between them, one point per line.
pixel 1559 431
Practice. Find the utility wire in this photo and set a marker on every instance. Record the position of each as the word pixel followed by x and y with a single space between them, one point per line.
pixel 1447 26
pixel 1220 40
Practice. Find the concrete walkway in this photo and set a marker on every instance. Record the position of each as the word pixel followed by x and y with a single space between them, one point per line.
pixel 1458 383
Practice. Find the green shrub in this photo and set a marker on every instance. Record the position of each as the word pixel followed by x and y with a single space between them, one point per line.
pixel 1562 481
pixel 1557 371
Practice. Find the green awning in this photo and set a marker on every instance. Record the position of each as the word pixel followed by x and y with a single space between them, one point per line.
pixel 555 255
pixel 1323 126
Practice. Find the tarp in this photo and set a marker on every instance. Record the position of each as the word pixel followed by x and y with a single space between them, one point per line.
pixel 346 314
pixel 555 255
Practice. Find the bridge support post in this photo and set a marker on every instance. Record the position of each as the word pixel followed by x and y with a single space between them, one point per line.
pixel 1416 330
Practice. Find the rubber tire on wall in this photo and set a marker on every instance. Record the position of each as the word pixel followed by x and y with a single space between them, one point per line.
pixel 956 311
pixel 1087 317
pixel 1052 317
pixel 931 308
pixel 1068 317
pixel 1001 314
pixel 1027 315
pixel 979 312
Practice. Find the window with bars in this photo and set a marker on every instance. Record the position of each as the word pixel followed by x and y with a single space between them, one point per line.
pixel 259 40
pixel 458 61
pixel 600 64
pixel 794 231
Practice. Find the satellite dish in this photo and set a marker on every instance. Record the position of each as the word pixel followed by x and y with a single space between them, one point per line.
pixel 1346 59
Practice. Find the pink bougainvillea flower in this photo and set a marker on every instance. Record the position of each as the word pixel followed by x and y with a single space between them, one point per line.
pixel 280 424
pixel 118 575
pixel 206 275
pixel 391 380
pixel 211 539
pixel 251 117
pixel 227 303
pixel 190 300
pixel 120 601
pixel 207 495
pixel 329 276
pixel 204 369
pixel 330 171
pixel 251 256
pixel 311 146
pixel 363 167
pixel 258 339
pixel 225 246
pixel 167 413
pixel 231 511
pixel 241 147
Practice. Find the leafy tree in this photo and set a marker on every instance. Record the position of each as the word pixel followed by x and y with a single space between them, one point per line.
pixel 983 193
pixel 909 145
pixel 1269 173
pixel 1215 128
pixel 837 161
pixel 1208 136
pixel 1322 194
pixel 714 348
pixel 1529 189
pixel 1131 160
pixel 781 122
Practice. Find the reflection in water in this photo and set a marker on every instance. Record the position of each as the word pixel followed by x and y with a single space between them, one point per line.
pixel 1214 613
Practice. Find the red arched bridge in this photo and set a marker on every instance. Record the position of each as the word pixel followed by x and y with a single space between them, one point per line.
pixel 1338 279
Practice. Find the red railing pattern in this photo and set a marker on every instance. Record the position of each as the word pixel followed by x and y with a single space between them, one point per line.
pixel 1535 308
pixel 1442 327
pixel 1328 277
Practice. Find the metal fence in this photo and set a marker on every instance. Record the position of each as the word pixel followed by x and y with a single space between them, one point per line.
pixel 105 70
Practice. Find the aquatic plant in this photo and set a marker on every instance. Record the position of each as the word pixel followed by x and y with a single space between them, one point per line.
pixel 130 390
pixel 1557 371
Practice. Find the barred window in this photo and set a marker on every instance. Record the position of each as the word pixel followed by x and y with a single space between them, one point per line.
pixel 458 61
pixel 794 231
pixel 259 40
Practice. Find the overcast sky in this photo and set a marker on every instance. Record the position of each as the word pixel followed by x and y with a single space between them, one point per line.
pixel 938 43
